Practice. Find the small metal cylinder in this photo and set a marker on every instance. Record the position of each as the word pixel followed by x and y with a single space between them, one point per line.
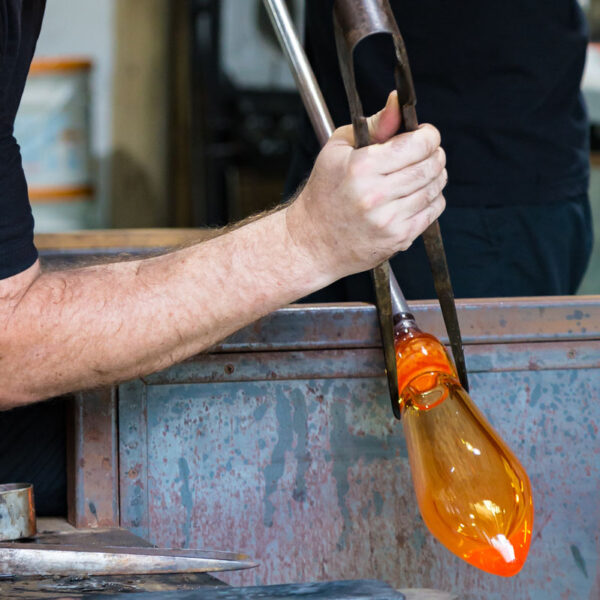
pixel 17 511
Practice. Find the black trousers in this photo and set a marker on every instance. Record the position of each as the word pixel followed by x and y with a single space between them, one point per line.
pixel 520 250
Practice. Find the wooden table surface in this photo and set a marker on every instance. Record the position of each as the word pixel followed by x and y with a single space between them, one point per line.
pixel 121 238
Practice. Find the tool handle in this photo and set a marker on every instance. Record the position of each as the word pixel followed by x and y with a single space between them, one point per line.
pixel 409 118
pixel 354 22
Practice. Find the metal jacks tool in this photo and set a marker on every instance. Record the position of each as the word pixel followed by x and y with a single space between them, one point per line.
pixel 356 20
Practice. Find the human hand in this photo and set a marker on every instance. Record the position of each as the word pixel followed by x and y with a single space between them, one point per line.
pixel 359 207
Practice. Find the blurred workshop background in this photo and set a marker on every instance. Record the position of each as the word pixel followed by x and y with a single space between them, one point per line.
pixel 178 113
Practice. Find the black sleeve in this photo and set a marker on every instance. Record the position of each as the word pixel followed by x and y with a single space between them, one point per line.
pixel 20 22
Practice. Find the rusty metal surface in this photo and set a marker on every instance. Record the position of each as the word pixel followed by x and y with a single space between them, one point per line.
pixel 364 363
pixel 483 321
pixel 295 458
pixel 333 590
pixel 90 538
pixel 17 511
pixel 92 460
pixel 87 587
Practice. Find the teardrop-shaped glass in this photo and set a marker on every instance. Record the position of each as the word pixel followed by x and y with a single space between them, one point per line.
pixel 474 495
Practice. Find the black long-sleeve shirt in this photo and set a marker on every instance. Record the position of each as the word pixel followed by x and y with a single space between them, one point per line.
pixel 499 78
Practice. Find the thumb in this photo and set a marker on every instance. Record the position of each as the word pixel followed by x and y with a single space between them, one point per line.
pixel 385 124
pixel 382 125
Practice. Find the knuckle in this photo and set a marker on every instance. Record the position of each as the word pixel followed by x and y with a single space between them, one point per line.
pixel 413 232
pixel 421 172
pixel 385 227
pixel 432 215
pixel 434 168
pixel 431 138
pixel 435 210
pixel 441 156
pixel 368 201
pixel 440 205
pixel 444 178
pixel 405 242
pixel 374 199
pixel 431 192
pixel 439 184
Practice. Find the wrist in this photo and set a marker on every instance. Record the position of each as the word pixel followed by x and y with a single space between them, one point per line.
pixel 309 262
pixel 310 245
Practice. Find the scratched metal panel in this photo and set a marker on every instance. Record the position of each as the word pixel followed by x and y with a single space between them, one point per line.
pixel 310 476
pixel 133 457
pixel 482 321
pixel 368 362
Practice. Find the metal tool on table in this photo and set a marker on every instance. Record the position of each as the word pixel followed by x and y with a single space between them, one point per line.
pixel 17 511
pixel 63 560
pixel 17 521
pixel 355 20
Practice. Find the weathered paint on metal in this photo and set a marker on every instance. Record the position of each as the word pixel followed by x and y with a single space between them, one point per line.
pixel 489 321
pixel 17 511
pixel 92 482
pixel 368 362
pixel 295 458
pixel 133 457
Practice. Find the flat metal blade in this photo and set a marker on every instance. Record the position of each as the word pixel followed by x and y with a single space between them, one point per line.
pixel 42 559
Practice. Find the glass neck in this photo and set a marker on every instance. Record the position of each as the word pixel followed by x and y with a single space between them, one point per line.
pixel 405 324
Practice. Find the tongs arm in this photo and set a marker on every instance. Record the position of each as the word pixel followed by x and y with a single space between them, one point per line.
pixel 356 20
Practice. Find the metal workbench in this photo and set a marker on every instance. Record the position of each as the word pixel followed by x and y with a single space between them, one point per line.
pixel 280 443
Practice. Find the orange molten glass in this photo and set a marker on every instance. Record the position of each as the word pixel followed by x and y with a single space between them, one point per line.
pixel 474 495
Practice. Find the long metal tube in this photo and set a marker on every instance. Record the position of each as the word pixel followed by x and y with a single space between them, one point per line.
pixel 313 100
pixel 399 304
pixel 303 74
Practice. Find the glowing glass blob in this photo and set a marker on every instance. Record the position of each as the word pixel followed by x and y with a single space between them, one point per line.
pixel 474 495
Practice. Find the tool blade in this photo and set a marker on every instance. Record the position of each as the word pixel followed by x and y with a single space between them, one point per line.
pixel 42 559
pixel 434 246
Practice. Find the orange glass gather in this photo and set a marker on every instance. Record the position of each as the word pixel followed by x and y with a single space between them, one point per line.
pixel 474 495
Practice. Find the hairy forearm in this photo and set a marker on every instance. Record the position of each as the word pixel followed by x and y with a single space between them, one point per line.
pixel 68 330
pixel 93 326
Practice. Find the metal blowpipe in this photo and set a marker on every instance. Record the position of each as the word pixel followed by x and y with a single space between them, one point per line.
pixel 313 100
